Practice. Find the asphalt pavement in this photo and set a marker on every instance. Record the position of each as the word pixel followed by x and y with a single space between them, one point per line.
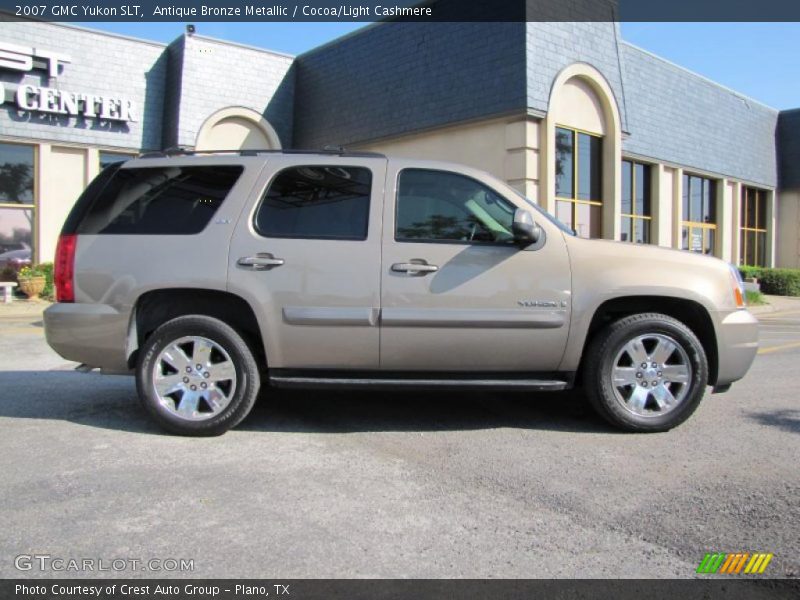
pixel 394 485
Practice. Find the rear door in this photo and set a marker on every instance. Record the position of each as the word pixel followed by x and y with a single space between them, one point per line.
pixel 306 255
pixel 457 293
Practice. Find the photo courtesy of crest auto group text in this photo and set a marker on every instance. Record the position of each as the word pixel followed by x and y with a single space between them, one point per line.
pixel 426 299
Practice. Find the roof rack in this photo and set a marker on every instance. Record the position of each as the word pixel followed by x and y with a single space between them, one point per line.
pixel 326 151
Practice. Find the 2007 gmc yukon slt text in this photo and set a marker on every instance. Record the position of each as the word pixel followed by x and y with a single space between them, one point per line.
pixel 210 275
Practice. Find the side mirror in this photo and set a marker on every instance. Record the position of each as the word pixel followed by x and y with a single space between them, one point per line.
pixel 525 229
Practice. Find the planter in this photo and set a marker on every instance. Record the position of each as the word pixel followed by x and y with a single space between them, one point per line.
pixel 32 286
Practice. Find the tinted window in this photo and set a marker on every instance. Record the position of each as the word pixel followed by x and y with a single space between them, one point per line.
pixel 318 202
pixel 564 162
pixel 589 167
pixel 157 200
pixel 442 206
pixel 16 174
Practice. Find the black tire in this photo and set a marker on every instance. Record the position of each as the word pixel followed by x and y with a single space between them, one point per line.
pixel 242 394
pixel 600 362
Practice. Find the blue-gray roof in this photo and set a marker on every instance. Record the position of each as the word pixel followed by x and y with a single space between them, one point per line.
pixel 396 78
pixel 677 116
pixel 789 149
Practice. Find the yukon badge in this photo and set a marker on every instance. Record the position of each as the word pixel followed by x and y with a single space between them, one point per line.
pixel 538 304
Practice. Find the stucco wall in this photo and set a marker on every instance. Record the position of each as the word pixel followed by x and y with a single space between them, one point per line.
pixel 507 148
pixel 788 243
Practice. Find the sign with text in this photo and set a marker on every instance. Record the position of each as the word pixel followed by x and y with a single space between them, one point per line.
pixel 42 99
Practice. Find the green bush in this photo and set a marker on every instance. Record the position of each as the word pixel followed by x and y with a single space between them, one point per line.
pixel 779 282
pixel 749 272
pixel 49 291
pixel 754 298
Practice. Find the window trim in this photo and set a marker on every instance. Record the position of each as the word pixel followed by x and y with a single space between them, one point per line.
pixel 756 230
pixel 687 176
pixel 271 180
pixel 34 205
pixel 509 244
pixel 575 170
pixel 35 200
pixel 634 215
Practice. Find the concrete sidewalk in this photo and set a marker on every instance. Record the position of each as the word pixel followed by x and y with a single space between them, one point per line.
pixel 23 308
pixel 777 304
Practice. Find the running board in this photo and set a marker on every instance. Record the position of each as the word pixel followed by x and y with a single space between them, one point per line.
pixel 383 383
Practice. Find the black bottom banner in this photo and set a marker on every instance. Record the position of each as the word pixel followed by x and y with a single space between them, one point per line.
pixel 355 589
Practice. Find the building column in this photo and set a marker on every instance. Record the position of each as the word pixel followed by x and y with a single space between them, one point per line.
pixel 521 164
pixel 677 206
pixel 547 165
pixel 612 186
pixel 661 203
pixel 736 222
pixel 62 177
pixel 725 229
pixel 92 164
pixel 772 223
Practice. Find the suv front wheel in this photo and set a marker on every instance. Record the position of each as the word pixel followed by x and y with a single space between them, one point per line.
pixel 646 372
pixel 197 376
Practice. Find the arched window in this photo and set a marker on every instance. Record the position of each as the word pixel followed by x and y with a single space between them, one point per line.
pixel 582 146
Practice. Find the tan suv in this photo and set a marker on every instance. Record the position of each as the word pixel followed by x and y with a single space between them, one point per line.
pixel 207 275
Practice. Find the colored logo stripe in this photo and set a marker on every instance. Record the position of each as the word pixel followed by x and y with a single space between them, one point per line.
pixel 733 563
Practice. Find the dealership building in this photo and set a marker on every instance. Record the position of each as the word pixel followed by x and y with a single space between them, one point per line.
pixel 616 142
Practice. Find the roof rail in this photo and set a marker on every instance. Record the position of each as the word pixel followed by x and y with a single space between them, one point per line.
pixel 326 151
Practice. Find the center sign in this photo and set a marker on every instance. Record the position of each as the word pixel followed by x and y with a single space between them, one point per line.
pixel 36 98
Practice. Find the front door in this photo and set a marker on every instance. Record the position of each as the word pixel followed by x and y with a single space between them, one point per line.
pixel 307 255
pixel 457 293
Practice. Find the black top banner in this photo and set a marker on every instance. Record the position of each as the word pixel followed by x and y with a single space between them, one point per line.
pixel 402 10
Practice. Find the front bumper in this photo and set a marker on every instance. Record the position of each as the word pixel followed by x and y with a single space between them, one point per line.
pixel 94 334
pixel 737 344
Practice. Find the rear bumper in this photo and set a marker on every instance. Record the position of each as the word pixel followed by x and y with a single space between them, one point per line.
pixel 737 344
pixel 94 334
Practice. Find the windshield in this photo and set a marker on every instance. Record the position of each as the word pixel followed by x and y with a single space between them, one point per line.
pixel 546 215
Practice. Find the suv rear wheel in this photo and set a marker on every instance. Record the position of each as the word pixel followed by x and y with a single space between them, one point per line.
pixel 197 376
pixel 646 372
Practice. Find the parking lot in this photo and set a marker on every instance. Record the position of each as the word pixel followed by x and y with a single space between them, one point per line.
pixel 396 485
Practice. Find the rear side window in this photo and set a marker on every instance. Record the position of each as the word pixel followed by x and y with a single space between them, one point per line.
pixel 155 200
pixel 317 202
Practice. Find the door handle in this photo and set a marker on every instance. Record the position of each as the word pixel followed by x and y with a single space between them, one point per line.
pixel 263 261
pixel 416 267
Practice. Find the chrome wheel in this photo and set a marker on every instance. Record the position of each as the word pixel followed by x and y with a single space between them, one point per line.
pixel 651 375
pixel 194 378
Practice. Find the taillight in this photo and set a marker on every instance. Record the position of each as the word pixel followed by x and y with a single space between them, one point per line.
pixel 64 268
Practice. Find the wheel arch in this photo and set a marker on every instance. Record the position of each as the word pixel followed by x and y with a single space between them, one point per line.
pixel 154 308
pixel 689 312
